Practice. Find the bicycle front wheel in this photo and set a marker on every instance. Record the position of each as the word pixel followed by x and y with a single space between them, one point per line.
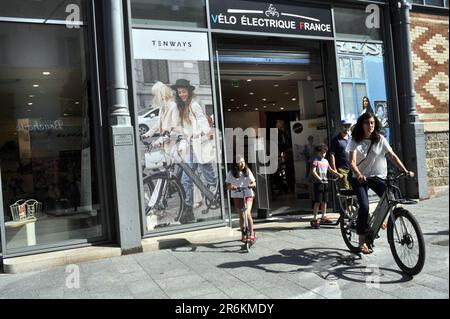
pixel 406 241
pixel 164 197
pixel 348 229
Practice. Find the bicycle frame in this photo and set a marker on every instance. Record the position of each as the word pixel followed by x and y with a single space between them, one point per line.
pixel 388 202
pixel 176 160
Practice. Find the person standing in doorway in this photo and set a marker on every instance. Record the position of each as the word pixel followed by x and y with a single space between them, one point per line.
pixel 339 154
pixel 285 155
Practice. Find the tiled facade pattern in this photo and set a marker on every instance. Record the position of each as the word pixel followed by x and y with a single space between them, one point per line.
pixel 429 35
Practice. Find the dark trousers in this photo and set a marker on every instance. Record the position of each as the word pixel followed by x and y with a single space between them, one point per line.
pixel 361 190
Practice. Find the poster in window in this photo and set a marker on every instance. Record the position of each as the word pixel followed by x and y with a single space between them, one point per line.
pixel 176 124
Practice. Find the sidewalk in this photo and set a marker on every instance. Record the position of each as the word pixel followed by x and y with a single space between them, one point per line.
pixel 290 260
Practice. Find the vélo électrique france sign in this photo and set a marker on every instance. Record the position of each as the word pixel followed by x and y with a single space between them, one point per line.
pixel 271 18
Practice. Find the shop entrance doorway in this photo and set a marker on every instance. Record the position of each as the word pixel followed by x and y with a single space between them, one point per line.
pixel 275 83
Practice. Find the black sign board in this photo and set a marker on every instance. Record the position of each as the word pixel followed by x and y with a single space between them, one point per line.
pixel 269 17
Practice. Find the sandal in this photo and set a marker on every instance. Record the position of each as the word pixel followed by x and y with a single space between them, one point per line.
pixel 365 250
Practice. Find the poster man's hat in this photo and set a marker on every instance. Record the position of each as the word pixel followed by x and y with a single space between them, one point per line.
pixel 183 83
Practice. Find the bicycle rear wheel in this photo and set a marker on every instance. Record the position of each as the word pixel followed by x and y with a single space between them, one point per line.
pixel 406 241
pixel 348 230
pixel 163 197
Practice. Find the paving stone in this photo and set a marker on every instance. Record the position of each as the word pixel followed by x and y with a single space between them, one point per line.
pixel 290 260
pixel 419 292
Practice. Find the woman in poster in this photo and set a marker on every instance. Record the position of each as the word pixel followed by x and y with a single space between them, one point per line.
pixel 367 108
pixel 163 98
pixel 196 127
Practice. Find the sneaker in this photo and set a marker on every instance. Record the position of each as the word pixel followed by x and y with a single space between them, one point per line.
pixel 315 224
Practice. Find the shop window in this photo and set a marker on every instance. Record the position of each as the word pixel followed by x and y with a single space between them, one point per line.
pixel 43 11
pixel 187 13
pixel 155 70
pixel 49 184
pixel 176 195
pixel 203 71
pixel 2 49
pixel 358 68
pixel 348 98
pixel 361 73
pixel 345 67
pixel 351 68
pixel 434 3
pixel 350 23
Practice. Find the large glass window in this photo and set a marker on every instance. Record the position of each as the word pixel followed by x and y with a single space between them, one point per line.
pixel 361 73
pixel 49 185
pixel 187 13
pixel 351 23
pixel 176 119
pixel 44 11
pixel 434 3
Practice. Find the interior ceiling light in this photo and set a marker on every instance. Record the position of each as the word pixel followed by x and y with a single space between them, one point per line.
pixel 256 109
pixel 281 108
pixel 294 99
pixel 251 93
pixel 249 80
pixel 264 99
pixel 35 85
pixel 46 73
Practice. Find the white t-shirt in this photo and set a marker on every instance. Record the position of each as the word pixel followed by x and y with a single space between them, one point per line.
pixel 243 182
pixel 375 163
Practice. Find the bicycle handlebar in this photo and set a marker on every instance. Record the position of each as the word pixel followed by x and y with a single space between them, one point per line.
pixel 241 189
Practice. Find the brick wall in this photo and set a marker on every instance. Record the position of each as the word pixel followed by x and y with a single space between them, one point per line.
pixel 437 161
pixel 429 35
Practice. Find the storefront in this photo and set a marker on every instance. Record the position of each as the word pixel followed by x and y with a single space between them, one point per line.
pixel 74 168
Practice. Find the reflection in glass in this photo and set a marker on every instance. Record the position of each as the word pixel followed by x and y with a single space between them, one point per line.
pixel 187 13
pixel 345 68
pixel 48 175
pixel 44 10
pixel 348 99
pixel 351 23
pixel 358 69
